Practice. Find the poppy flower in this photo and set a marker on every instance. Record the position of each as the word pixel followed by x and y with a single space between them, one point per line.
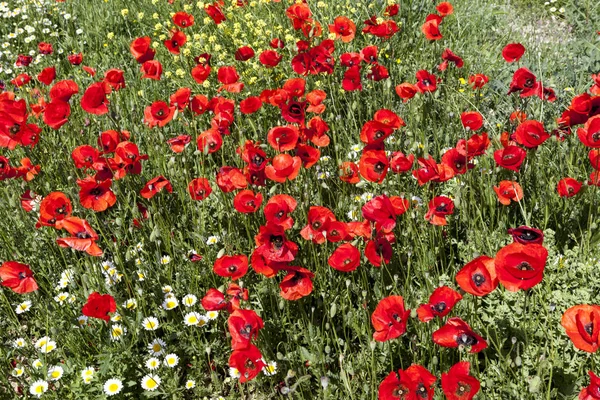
pixel 308 154
pixel 513 52
pixel 270 58
pixel 175 42
pixel 250 105
pixel 47 75
pixel 476 145
pixel 431 29
pixel 110 139
pixel 568 187
pixel 278 208
pixel 594 156
pixel 229 77
pixel 229 179
pixel 406 91
pixel 247 202
pixel 449 57
pixel 415 382
pixel 151 69
pixel 273 244
pixel 178 143
pixel 244 326
pixel 380 210
pixel 429 171
pixel 27 200
pixel 27 170
pixel 346 258
pixel 94 99
pixel 441 302
pixel 63 90
pixel 141 50
pixel 439 208
pixel 200 73
pixel 115 79
pixel 75 59
pixel 56 114
pixel 214 300
pixel 526 235
pixel 127 160
pixel 18 277
pixel 384 30
pixel 233 267
pixel 520 266
pixel 319 219
pixel 244 53
pixel 349 172
pixel 45 48
pixel 181 98
pixel 591 392
pixel 379 250
pixel 458 162
pixel 249 362
pixel 471 120
pixel 582 324
pixel 209 141
pixel 343 28
pixel 265 267
pixel 53 208
pixel 96 195
pixel 214 12
pixel 507 191
pixel 315 100
pixel 336 231
pixel 589 135
pixel 283 138
pixel 199 189
pixel 374 165
pixel 478 277
pixel 158 114
pixel 510 157
pixel 99 306
pixel 183 19
pixel 444 9
pixel 457 332
pixel 283 167
pixel 389 319
pixel 83 237
pixel 457 384
pixel 352 79
pixel 531 134
pixel 523 81
pixel 426 82
pixel 297 283
pixel 155 185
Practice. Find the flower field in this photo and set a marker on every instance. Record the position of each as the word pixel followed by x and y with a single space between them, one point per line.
pixel 264 199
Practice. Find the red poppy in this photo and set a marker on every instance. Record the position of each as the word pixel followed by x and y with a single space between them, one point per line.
pixel 591 392
pixel 99 306
pixel 444 9
pixel 457 384
pixel 270 58
pixel 89 70
pixel 449 57
pixel 457 161
pixel 471 120
pixel 151 69
pixel 265 267
pixel 431 29
pixel 278 208
pixel 179 143
pixel 415 382
pixel 229 77
pixel 127 160
pixel 429 171
pixel 45 48
pixel 457 332
pixel 247 202
pixel 175 42
pixel 115 78
pixel 27 170
pixel 478 277
pixel 63 90
pixel 345 258
pixel 513 52
pixel 531 134
pixel 389 319
pixel 374 165
pixel 56 114
pixel 94 99
pixel 385 30
pixel 244 53
pixel 96 195
pixel 308 154
pixel 319 219
pixel 250 105
pixel 283 167
pixel 297 283
pixel 18 277
pixel 441 302
pixel 229 179
pixel 349 172
pixel 510 157
pixel 273 244
pixel 83 237
pixel 507 191
pixel 476 145
pixel 478 81
pixel 343 28
pixel 406 91
pixel 426 82
pixel 594 156
pixel 520 266
pixel 47 75
pixel 381 211
pixel 109 140
pixel 75 59
pixel 200 73
pixel 215 13
pixel 244 326
pixel 53 208
pixel 589 135
pixel 233 267
pixel 527 235
pixel 155 185
pixel 141 50
pixel 283 138
pixel 248 361
pixel 27 200
pixel 568 187
pixel 351 80
pixel 181 98
pixel 524 81
pixel 158 114
pixel 315 100
pixel 183 19
pixel 582 324
pixel 209 141
pixel 439 208
pixel 379 250
pixel 199 188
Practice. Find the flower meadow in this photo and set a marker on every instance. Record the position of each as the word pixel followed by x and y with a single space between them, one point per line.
pixel 260 199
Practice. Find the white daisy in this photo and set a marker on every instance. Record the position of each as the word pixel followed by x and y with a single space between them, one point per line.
pixel 170 303
pixel 152 363
pixel 193 318
pixel 17 371
pixel 19 343
pixel 189 300
pixel 130 304
pixel 55 373
pixel 212 315
pixel 171 360
pixel 212 240
pixel 234 373
pixel 45 344
pixel 150 323
pixel 270 369
pixel 150 382
pixel 190 384
pixel 117 332
pixel 157 347
pixel 37 363
pixel 164 260
pixel 87 375
pixel 38 388
pixel 112 387
pixel 23 307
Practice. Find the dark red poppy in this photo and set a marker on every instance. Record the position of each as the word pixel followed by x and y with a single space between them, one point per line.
pixel 439 208
pixel 582 324
pixel 379 250
pixel 510 157
pixel 215 13
pixel 568 187
pixel 99 306
pixel 94 99
pixel 45 48
pixel 319 219
pixel 441 302
pixel 352 79
pixel 249 361
pixel 513 52
pixel 53 208
pixel 283 167
pixel 478 277
pixel 158 114
pixel 244 53
pixel 426 82
pixel 343 28
pixel 233 267
pixel 308 154
pixel 183 19
pixel 199 189
pixel 154 186
pixel 96 195
pixel 247 202
pixel 524 81
pixel 349 172
pixel 110 139
pixel 457 384
pixel 389 319
pixel 115 78
pixel 273 244
pixel 589 135
pixel 75 59
pixel 591 392
pixel 297 283
pixel 520 266
pixel 346 258
pixel 141 50
pixel 457 332
pixel 278 208
pixel 83 237
pixel 178 143
pixel 526 235
pixel 127 159
pixel 18 277
pixel 449 57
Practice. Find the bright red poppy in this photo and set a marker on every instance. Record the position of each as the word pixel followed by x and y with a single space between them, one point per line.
pixel 510 157
pixel 441 302
pixel 389 319
pixel 247 202
pixel 244 326
pixel 478 277
pixel 154 186
pixel 592 391
pixel 94 99
pixel 520 266
pixel 513 52
pixel 439 208
pixel 96 195
pixel 508 191
pixel 457 384
pixel 283 138
pixel 283 167
pixel 415 382
pixel 568 187
pixel 99 306
pixel 233 267
pixel 248 362
pixel 531 134
pixel 83 237
pixel 158 114
pixel 589 135
pixel 346 258
pixel 17 277
pixel 582 324
pixel 343 28
pixel 457 332
pixel 297 283
pixel 53 208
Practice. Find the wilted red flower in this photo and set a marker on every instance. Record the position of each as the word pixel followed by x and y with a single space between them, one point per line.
pixel 441 302
pixel 99 306
pixel 199 188
pixel 248 361
pixel 568 187
pixel 345 258
pixel 510 157
pixel 520 266
pixel 96 195
pixel 457 332
pixel 155 185
pixel 457 384
pixel 439 208
pixel 94 99
pixel 343 28
pixel 283 167
pixel 507 191
pixel 247 202
pixel 158 113
pixel 83 237
pixel 374 165
pixel 18 277
pixel 389 319
pixel 513 52
pixel 229 179
pixel 178 143
pixel 527 235
pixel 582 324
pixel 478 277
pixel 449 57
pixel 233 267
pixel 297 283
pixel 591 392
